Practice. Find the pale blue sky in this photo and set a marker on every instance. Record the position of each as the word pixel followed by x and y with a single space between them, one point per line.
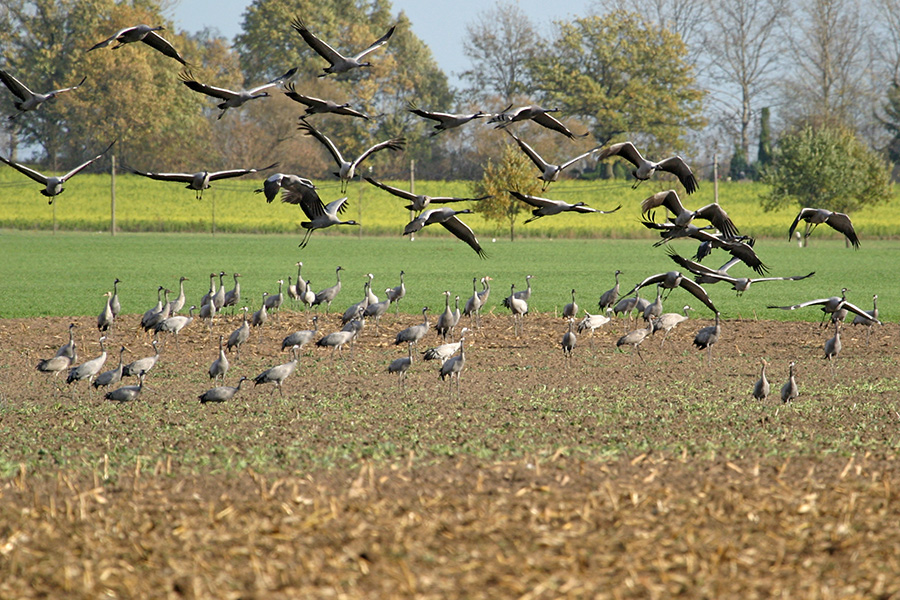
pixel 439 23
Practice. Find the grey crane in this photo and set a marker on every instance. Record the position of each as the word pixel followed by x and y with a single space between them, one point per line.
pixel 53 186
pixel 259 318
pixel 338 63
pixel 233 296
pixel 591 322
pixel 526 293
pixel 142 33
pixel 609 298
pixel 833 347
pixel 485 293
pixel 88 369
pixel 456 314
pixel 301 338
pixel 219 296
pixel 337 340
pixel 707 337
pixel 549 172
pixel 219 367
pixel 127 393
pixel 153 311
pixel 538 114
pixel 739 284
pixel 419 202
pixel 444 120
pixel 473 304
pixel 761 388
pixel 831 305
pixel 568 340
pixel 160 316
pixel 518 306
pixel 320 215
pixel 315 106
pixel 212 290
pixel 328 295
pixel 178 303
pixel 442 352
pixel 302 188
pixel 222 393
pixel 816 216
pixel 64 357
pixel 301 282
pixel 627 305
pixel 370 295
pixel 545 206
pixel 239 335
pixel 105 318
pixel 114 304
pixel 28 100
pixel 414 333
pixel 279 373
pixel 673 279
pixel 354 311
pixel 669 321
pixel 714 213
pixel 208 313
pixel 634 339
pixel 142 364
pixel 200 180
pixel 401 366
pixel 378 309
pixel 397 293
pixel 645 168
pixel 734 246
pixel 869 321
pixel 447 217
pixel 231 98
pixel 309 296
pixel 453 366
pixel 570 310
pixel 790 391
pixel 445 319
pixel 347 168
pixel 108 378
pixel 175 324
pixel 655 308
pixel 274 301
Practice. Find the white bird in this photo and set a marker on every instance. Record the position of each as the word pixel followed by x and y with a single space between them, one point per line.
pixel 28 100
pixel 545 206
pixel 836 220
pixel 53 186
pixel 446 216
pixel 201 180
pixel 315 106
pixel 347 168
pixel 419 202
pixel 445 120
pixel 230 98
pixel 549 171
pixel 141 33
pixel 646 168
pixel 338 63
pixel 592 322
pixel 761 388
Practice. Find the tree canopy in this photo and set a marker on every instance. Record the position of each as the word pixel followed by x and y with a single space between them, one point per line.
pixel 825 167
pixel 621 75
pixel 512 172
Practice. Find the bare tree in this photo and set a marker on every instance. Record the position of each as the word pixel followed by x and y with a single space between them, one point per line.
pixel 500 43
pixel 830 80
pixel 888 29
pixel 744 49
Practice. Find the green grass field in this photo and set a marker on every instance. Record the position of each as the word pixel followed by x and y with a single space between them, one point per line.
pixel 66 273
pixel 231 206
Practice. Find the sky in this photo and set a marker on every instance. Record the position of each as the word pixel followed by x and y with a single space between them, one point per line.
pixel 439 23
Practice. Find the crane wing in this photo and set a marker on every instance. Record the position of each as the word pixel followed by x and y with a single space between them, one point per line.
pixel 395 144
pixel 624 149
pixel 668 198
pixel 320 47
pixel 841 222
pixel 465 233
pixel 698 292
pixel 680 169
pixel 550 122
pixel 530 153
pixel 572 161
pixel 310 130
pixel 392 190
pixel 803 214
pixel 274 82
pixel 377 43
pixel 237 172
pixel 216 92
pixel 83 165
pixel 156 41
pixel 15 86
pixel 26 171
pixel 533 200
pixel 182 177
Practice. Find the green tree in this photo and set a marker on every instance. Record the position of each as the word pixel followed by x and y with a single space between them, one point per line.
pixel 403 70
pixel 825 167
pixel 738 168
pixel 512 172
pixel 764 153
pixel 623 76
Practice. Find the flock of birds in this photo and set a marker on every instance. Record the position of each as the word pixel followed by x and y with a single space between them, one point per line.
pixel 720 233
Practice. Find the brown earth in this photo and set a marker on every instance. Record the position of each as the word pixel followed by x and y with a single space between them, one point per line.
pixel 608 477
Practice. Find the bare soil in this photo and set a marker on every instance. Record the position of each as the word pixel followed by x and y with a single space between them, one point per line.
pixel 607 477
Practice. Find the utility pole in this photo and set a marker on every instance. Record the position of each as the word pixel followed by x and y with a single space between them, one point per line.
pixel 716 174
pixel 412 184
pixel 112 195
